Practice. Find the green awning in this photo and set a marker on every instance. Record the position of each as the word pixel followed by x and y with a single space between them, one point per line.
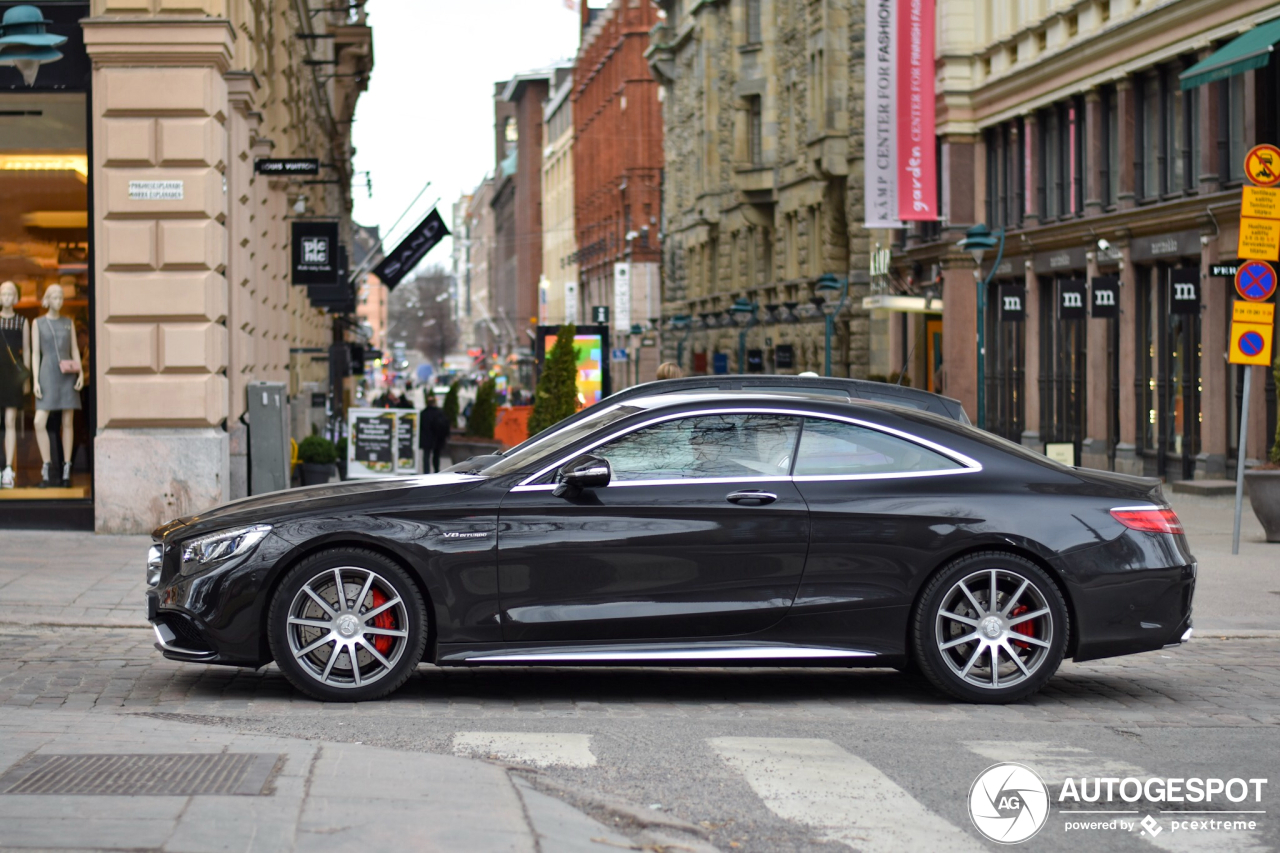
pixel 1244 53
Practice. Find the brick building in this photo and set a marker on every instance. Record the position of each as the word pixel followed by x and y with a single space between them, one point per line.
pixel 618 162
pixel 1116 177
pixel 763 193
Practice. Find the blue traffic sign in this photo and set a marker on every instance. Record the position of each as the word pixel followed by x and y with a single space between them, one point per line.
pixel 1255 281
pixel 1251 343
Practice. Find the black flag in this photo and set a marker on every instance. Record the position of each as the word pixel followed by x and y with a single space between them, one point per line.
pixel 412 248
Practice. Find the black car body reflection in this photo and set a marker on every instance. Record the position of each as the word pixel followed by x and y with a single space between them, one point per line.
pixel 734 527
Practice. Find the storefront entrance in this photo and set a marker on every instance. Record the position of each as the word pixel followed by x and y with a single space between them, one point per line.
pixel 1063 306
pixel 46 313
pixel 1006 362
pixel 1168 375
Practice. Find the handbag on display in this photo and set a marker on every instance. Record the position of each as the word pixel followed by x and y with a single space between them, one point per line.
pixel 24 372
pixel 66 365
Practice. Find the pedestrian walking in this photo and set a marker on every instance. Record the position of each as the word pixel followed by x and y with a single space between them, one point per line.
pixel 433 435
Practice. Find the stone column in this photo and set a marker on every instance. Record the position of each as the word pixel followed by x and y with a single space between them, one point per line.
pixel 243 356
pixel 1096 152
pixel 1094 452
pixel 1031 127
pixel 160 106
pixel 1208 128
pixel 1031 383
pixel 1127 108
pixel 960 333
pixel 1127 460
pixel 1215 397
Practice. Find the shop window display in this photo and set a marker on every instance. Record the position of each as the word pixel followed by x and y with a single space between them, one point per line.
pixel 44 296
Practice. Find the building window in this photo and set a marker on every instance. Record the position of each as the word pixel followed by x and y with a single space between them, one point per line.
pixel 1168 140
pixel 1005 175
pixel 753 22
pixel 1110 165
pixel 755 132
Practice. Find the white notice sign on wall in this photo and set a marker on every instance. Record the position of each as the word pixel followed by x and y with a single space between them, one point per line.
pixel 155 190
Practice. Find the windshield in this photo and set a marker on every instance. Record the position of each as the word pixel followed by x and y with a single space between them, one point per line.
pixel 554 440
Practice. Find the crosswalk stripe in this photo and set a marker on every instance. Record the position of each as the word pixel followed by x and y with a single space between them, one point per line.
pixel 1055 763
pixel 816 783
pixel 552 749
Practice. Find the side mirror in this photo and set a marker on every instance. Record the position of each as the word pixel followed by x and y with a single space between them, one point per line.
pixel 587 472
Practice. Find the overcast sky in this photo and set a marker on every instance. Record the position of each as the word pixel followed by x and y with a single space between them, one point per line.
pixel 428 113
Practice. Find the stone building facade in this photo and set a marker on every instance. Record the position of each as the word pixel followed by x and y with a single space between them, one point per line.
pixel 558 300
pixel 177 274
pixel 1067 125
pixel 763 190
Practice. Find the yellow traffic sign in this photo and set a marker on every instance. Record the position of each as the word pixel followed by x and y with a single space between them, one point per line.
pixel 1263 313
pixel 1261 202
pixel 1259 239
pixel 1262 165
pixel 1250 344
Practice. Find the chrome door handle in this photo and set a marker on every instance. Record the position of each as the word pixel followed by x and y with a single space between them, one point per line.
pixel 751 495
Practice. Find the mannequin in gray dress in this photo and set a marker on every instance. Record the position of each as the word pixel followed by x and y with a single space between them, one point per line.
pixel 52 341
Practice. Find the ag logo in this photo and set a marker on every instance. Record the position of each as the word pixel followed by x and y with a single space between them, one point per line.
pixel 1008 803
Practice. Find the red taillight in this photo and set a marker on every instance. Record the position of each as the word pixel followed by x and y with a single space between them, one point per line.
pixel 1149 520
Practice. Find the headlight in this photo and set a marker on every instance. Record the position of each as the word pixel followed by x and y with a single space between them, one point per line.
pixel 222 548
pixel 154 560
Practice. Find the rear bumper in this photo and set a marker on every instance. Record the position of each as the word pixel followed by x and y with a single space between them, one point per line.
pixel 1136 611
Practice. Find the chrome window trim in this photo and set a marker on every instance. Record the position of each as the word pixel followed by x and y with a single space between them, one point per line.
pixel 970 465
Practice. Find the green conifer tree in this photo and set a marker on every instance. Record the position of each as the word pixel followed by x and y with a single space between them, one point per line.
pixel 484 411
pixel 450 406
pixel 557 395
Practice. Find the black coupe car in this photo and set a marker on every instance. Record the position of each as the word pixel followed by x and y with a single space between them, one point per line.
pixel 726 528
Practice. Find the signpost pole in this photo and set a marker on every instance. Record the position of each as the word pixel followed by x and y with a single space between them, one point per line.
pixel 1240 457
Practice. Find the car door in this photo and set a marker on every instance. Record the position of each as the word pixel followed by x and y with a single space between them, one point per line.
pixel 700 533
pixel 882 503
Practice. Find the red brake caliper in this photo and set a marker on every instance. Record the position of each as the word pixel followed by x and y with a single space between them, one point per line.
pixel 1024 628
pixel 382 620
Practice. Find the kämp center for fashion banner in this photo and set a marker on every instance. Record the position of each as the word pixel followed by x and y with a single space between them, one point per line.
pixel 46 282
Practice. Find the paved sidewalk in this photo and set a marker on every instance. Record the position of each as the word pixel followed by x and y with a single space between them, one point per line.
pixel 323 796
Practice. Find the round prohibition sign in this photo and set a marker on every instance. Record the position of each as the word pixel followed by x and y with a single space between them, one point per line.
pixel 1251 343
pixel 1256 281
pixel 1262 165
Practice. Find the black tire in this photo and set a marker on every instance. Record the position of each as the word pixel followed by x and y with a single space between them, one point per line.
pixel 954 647
pixel 374 588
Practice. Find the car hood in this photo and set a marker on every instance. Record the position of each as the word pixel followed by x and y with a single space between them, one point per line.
pixel 310 499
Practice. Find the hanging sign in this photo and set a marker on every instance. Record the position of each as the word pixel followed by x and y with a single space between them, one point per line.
pixel 287 166
pixel 1224 270
pixel 622 295
pixel 315 252
pixel 1013 300
pixel 1256 281
pixel 784 356
pixel 755 361
pixel 720 363
pixel 1262 165
pixel 412 249
pixel 1071 299
pixel 900 160
pixel 1184 291
pixel 1104 294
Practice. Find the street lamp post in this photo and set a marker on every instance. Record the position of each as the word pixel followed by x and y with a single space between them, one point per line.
pixel 977 240
pixel 681 323
pixel 826 285
pixel 743 311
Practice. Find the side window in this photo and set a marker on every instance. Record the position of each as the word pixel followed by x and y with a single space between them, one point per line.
pixel 704 447
pixel 833 448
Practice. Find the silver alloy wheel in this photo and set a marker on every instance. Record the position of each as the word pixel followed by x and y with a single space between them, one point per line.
pixel 994 628
pixel 332 619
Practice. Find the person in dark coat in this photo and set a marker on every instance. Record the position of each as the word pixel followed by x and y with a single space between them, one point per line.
pixel 433 435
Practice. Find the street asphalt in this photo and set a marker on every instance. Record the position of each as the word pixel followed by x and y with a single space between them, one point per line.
pixel 604 759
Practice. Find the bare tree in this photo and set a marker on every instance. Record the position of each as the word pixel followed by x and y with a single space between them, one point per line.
pixel 420 313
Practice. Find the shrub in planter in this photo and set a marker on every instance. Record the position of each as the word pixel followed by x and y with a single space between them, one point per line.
pixel 557 395
pixel 450 405
pixel 316 454
pixel 484 411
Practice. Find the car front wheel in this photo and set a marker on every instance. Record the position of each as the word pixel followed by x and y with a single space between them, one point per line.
pixel 991 627
pixel 347 625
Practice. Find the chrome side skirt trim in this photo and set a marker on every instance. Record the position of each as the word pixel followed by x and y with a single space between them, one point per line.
pixel 657 655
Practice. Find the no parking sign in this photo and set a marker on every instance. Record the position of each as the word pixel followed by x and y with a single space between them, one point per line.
pixel 1251 332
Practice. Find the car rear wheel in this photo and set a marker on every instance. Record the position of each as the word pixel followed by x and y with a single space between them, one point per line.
pixel 991 627
pixel 347 625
